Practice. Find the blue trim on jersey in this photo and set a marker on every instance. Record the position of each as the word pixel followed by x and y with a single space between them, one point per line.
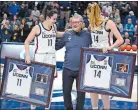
pixel 110 61
pixel 21 67
pixel 11 67
pixel 99 57
pixel 88 58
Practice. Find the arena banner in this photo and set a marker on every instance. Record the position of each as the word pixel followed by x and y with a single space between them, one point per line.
pixel 27 83
pixel 109 73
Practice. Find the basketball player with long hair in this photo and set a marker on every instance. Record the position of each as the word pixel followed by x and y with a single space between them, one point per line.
pixel 123 68
pixel 102 31
pixel 44 35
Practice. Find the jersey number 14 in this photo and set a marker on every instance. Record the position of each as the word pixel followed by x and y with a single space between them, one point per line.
pixel 95 38
pixel 97 73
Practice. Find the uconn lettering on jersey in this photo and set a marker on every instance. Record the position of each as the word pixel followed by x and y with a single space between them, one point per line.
pixel 45 35
pixel 92 65
pixel 98 67
pixel 98 32
pixel 15 73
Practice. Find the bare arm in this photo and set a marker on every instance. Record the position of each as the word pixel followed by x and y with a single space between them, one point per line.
pixel 31 36
pixel 59 34
pixel 111 25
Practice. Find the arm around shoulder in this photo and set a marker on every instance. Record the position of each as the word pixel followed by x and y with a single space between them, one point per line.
pixel 61 43
pixel 59 34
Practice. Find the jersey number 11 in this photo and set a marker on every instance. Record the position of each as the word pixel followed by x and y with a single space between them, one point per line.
pixel 19 81
pixel 49 42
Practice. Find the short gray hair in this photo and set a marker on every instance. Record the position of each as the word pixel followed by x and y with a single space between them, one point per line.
pixel 76 15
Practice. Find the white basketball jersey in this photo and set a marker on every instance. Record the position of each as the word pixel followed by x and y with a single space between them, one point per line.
pixel 97 73
pixel 45 41
pixel 101 38
pixel 19 81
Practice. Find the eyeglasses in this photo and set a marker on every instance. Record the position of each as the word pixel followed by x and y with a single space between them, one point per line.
pixel 76 22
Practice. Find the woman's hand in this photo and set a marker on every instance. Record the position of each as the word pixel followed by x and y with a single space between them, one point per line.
pixel 106 49
pixel 28 60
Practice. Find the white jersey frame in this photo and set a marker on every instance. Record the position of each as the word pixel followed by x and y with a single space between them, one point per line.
pixel 109 73
pixel 30 84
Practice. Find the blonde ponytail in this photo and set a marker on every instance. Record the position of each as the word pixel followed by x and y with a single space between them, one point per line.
pixel 94 15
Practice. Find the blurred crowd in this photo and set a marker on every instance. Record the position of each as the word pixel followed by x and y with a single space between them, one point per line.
pixel 18 18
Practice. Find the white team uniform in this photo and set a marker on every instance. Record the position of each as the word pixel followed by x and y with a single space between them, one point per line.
pixel 45 45
pixel 19 81
pixel 45 48
pixel 97 73
pixel 101 38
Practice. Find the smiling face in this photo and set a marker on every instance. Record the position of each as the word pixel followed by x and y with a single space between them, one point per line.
pixel 53 19
pixel 75 22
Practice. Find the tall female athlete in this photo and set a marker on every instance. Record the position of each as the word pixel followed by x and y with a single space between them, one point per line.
pixel 102 31
pixel 45 37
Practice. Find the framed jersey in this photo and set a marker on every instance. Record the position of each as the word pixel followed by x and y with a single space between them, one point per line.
pixel 27 83
pixel 109 73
